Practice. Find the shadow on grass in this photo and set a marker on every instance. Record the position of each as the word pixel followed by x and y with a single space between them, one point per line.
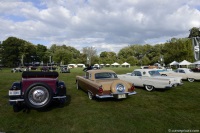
pixel 155 90
pixel 55 104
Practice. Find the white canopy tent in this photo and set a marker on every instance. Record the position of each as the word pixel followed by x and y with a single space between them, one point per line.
pixel 96 65
pixel 107 65
pixel 80 65
pixel 101 65
pixel 174 63
pixel 72 65
pixel 185 63
pixel 115 64
pixel 125 64
pixel 196 63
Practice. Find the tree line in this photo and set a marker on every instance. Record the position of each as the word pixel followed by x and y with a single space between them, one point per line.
pixel 15 52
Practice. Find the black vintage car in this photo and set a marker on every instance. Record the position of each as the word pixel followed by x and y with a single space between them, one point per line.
pixel 64 69
pixel 37 90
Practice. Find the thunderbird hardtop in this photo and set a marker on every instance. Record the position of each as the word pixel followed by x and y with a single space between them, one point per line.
pixel 150 79
pixel 185 73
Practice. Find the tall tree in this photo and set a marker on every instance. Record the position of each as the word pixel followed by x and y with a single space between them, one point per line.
pixel 40 51
pixel 90 52
pixel 108 57
pixel 194 32
pixel 14 49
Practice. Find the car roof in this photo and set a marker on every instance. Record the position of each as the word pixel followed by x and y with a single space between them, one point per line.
pixel 145 70
pixel 99 71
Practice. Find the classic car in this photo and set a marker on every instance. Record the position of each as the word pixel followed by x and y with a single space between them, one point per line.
pixel 17 69
pixel 104 84
pixel 185 73
pixel 64 69
pixel 44 69
pixel 196 69
pixel 150 79
pixel 37 90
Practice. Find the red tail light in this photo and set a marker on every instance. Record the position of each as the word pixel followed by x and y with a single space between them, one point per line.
pixel 100 89
pixel 132 88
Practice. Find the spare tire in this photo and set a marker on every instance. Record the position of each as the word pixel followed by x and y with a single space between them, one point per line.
pixel 118 87
pixel 38 96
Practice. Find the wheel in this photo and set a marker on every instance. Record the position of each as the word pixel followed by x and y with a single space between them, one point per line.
pixel 77 85
pixel 149 87
pixel 118 87
pixel 90 96
pixel 175 85
pixel 190 79
pixel 163 75
pixel 38 96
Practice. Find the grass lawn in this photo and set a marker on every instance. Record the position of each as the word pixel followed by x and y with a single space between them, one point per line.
pixel 150 112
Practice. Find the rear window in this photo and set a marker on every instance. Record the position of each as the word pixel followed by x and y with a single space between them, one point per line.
pixel 105 75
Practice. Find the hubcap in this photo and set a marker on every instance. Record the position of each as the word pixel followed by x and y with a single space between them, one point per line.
pixel 38 95
pixel 120 88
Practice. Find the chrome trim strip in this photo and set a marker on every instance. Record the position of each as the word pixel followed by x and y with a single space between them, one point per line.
pixel 60 97
pixel 104 96
pixel 107 96
pixel 16 100
pixel 132 93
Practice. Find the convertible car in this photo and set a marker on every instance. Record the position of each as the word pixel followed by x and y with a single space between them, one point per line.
pixel 150 79
pixel 185 73
pixel 104 84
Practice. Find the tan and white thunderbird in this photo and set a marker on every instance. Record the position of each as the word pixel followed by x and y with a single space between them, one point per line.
pixel 104 84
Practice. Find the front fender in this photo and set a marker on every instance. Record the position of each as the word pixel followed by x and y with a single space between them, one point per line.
pixel 61 89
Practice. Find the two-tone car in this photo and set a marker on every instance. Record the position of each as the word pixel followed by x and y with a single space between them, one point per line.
pixel 104 84
pixel 150 79
pixel 185 73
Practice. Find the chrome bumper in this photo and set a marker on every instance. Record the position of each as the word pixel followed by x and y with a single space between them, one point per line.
pixel 112 94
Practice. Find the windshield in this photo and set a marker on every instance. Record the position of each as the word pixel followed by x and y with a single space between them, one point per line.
pixel 105 75
pixel 154 73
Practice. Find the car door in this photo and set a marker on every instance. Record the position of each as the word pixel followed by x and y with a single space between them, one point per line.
pixel 181 73
pixel 137 78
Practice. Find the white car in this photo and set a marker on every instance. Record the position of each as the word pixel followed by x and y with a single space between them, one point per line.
pixel 185 73
pixel 150 79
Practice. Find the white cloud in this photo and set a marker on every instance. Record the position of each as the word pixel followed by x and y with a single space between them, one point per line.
pixel 106 24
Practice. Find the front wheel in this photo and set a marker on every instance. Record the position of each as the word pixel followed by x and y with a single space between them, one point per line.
pixel 149 87
pixel 190 79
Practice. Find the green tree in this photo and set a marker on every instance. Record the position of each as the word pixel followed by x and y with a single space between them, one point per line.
pixel 90 53
pixel 40 51
pixel 14 50
pixel 108 57
pixel 194 32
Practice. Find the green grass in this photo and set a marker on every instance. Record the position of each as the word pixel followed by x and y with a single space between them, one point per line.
pixel 177 109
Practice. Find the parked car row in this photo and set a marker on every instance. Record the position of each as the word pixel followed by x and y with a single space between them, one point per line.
pixel 38 89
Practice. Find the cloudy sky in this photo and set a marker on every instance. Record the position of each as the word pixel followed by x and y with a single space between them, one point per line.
pixel 107 25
